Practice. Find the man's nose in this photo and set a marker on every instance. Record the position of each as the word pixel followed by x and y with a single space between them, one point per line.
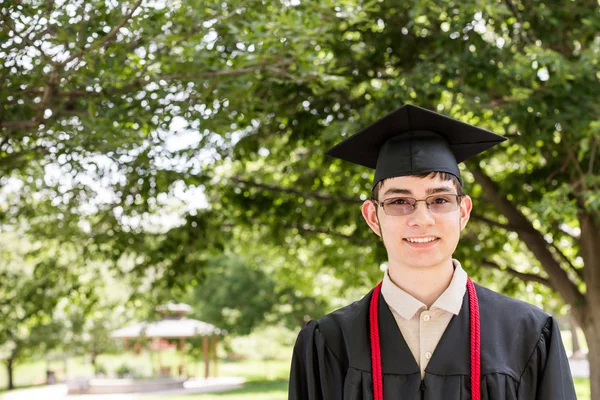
pixel 421 216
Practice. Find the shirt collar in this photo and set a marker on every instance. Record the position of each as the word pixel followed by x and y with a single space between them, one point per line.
pixel 407 306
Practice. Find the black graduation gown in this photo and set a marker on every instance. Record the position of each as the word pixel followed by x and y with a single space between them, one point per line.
pixel 522 356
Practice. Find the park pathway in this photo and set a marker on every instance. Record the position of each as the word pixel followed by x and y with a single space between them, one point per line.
pixel 59 392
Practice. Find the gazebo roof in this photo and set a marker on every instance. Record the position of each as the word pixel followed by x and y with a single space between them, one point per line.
pixel 175 307
pixel 167 328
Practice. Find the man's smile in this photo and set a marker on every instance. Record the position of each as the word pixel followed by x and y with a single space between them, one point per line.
pixel 426 239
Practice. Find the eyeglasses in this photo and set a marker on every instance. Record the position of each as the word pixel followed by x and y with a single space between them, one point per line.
pixel 437 203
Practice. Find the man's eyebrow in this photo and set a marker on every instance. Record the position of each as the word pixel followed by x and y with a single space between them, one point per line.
pixel 440 189
pixel 397 191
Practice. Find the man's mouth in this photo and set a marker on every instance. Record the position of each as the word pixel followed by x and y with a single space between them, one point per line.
pixel 421 239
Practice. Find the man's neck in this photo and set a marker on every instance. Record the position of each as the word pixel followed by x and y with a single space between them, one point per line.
pixel 424 284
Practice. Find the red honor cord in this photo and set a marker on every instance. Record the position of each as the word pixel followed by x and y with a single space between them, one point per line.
pixel 375 349
pixel 475 343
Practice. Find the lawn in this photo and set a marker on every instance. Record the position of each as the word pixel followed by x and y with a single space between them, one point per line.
pixel 253 390
pixel 582 386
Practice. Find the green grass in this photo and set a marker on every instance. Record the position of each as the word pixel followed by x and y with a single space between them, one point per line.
pixel 582 387
pixel 255 390
pixel 34 373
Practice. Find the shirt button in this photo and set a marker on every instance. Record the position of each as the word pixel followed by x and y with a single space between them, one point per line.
pixel 426 317
pixel 428 355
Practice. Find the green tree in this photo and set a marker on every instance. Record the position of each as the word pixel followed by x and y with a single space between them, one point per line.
pixel 40 337
pixel 241 294
pixel 234 296
pixel 104 96
pixel 34 282
pixel 88 329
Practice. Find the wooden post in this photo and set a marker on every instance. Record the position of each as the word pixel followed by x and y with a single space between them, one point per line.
pixel 205 355
pixel 159 357
pixel 214 354
pixel 157 366
pixel 182 349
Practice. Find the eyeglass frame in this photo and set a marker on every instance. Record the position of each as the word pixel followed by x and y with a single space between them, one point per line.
pixel 414 206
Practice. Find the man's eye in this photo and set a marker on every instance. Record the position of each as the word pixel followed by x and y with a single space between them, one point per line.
pixel 399 201
pixel 440 200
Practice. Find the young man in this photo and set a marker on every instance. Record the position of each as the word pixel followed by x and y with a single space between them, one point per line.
pixel 426 331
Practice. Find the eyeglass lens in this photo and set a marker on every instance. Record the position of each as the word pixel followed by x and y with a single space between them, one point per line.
pixel 439 203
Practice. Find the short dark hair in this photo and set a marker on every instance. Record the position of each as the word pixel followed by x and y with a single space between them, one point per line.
pixel 445 176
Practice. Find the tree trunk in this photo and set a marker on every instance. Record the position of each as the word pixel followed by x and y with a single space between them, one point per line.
pixel 585 308
pixel 574 338
pixel 593 341
pixel 590 252
pixel 9 372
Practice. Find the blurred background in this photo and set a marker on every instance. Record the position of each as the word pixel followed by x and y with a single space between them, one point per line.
pixel 172 152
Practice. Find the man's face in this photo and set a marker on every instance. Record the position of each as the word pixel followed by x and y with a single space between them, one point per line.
pixel 399 233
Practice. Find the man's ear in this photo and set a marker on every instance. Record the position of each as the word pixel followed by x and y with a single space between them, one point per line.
pixel 466 205
pixel 369 212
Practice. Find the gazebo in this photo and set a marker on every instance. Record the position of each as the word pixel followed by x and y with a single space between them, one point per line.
pixel 174 325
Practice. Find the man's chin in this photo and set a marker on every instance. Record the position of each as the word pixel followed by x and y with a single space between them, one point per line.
pixel 425 263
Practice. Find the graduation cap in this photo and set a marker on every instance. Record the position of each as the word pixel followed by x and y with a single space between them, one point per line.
pixel 412 140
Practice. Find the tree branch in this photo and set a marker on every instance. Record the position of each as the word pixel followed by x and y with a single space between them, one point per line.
pixel 507 227
pixel 142 81
pixel 26 39
pixel 561 170
pixel 313 230
pixel 590 252
pixel 211 74
pixel 14 160
pixel 17 125
pixel 573 158
pixel 314 195
pixel 521 275
pixel 515 11
pixel 47 93
pixel 593 156
pixel 562 255
pixel 108 38
pixel 71 94
pixel 534 240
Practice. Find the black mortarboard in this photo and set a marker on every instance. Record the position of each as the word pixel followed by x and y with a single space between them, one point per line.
pixel 412 140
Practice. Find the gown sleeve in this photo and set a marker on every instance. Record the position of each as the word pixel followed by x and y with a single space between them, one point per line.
pixel 548 375
pixel 316 372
